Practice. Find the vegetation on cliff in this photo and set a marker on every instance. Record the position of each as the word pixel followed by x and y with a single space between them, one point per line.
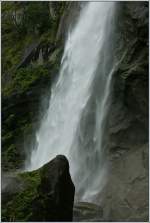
pixel 19 207
pixel 30 61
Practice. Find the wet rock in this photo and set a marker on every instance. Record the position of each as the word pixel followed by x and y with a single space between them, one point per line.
pixel 29 53
pixel 84 211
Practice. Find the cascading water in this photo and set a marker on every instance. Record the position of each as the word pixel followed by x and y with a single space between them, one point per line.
pixel 75 122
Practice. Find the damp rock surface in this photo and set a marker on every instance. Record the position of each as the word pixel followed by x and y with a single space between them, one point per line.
pixel 85 211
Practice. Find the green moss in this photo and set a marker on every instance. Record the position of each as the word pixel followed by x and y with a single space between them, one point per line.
pixel 33 80
pixel 35 24
pixel 12 53
pixel 16 129
pixel 7 137
pixel 11 151
pixel 12 135
pixel 24 78
pixel 11 154
pixel 20 207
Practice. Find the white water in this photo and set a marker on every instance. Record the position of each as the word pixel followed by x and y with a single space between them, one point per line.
pixel 74 123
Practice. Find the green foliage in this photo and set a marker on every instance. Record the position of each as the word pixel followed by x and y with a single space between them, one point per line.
pixel 23 25
pixel 11 158
pixel 7 137
pixel 14 129
pixel 25 17
pixel 37 17
pixel 11 153
pixel 24 78
pixel 19 208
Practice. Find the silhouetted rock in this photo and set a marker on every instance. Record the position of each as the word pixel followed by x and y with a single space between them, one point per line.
pixel 55 192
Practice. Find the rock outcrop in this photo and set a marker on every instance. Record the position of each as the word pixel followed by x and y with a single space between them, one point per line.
pixel 46 194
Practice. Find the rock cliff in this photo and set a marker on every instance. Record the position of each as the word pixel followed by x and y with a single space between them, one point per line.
pixel 126 193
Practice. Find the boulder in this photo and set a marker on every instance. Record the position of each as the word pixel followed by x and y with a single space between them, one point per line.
pixel 46 194
pixel 55 193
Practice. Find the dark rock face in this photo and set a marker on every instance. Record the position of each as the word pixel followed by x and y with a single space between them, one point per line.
pixel 46 194
pixel 56 192
pixel 125 197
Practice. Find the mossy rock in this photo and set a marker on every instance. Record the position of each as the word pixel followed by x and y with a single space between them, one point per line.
pixel 46 194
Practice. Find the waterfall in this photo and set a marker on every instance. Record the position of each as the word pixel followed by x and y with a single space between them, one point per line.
pixel 75 122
